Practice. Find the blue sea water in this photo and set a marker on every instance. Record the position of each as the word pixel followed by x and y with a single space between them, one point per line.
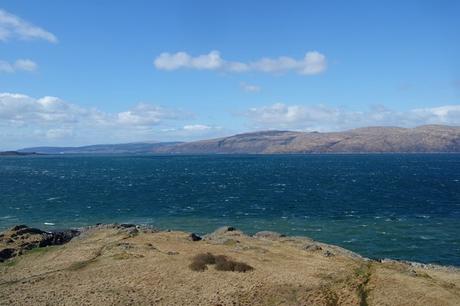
pixel 390 205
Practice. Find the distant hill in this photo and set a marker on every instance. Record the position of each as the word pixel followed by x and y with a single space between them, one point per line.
pixel 423 139
pixel 126 148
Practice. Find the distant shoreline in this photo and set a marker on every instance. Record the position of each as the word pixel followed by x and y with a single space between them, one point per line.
pixel 17 153
pixel 8 154
pixel 72 232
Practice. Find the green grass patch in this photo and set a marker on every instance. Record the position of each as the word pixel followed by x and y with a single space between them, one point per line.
pixel 42 250
pixel 9 263
pixel 364 273
pixel 81 264
pixel 126 255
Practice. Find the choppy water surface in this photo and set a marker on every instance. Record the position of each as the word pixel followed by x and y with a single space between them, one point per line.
pixel 397 206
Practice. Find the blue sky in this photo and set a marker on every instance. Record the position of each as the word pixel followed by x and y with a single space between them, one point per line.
pixel 84 72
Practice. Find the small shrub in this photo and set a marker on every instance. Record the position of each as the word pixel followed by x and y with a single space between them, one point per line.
pixel 220 259
pixel 225 264
pixel 242 267
pixel 206 258
pixel 222 262
pixel 198 266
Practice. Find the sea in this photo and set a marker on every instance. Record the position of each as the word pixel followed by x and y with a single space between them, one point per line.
pixel 399 206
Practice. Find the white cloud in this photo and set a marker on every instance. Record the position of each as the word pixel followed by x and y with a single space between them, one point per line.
pixel 324 118
pixel 250 87
pixel 196 131
pixel 167 61
pixel 312 63
pixel 22 109
pixel 19 65
pixel 12 26
pixel 6 67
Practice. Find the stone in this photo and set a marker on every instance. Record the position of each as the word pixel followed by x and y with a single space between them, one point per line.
pixel 224 229
pixel 312 247
pixel 194 237
pixel 127 225
pixel 6 254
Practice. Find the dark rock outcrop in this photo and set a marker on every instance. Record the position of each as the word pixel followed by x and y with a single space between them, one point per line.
pixel 20 238
pixel 194 237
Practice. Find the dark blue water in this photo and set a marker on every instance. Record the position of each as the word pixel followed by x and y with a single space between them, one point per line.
pixel 397 206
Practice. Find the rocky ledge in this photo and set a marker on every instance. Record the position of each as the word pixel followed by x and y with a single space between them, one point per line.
pixel 125 264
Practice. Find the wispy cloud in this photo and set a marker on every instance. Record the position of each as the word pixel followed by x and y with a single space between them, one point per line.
pixel 19 65
pixel 250 87
pixel 312 63
pixel 325 118
pixel 12 26
pixel 195 131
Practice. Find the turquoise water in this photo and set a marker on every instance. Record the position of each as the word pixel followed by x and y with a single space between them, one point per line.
pixel 394 206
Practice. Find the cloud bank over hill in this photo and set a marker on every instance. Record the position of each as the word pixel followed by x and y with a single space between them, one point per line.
pixel 51 120
pixel 27 121
pixel 324 118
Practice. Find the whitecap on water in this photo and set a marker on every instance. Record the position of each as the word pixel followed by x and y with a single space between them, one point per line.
pixel 53 199
pixel 48 223
pixel 425 237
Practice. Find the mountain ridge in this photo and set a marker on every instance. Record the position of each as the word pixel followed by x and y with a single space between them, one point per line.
pixel 422 139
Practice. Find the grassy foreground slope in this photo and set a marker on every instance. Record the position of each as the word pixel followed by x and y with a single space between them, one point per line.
pixel 111 265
